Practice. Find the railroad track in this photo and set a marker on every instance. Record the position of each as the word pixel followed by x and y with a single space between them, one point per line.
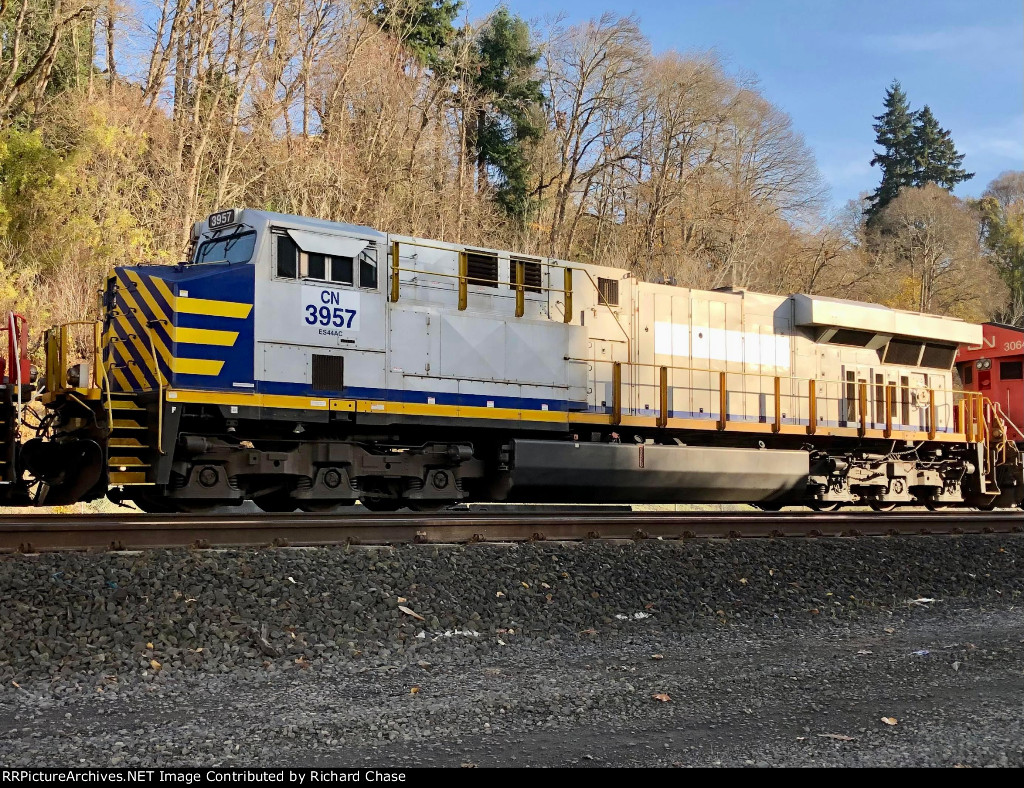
pixel 49 533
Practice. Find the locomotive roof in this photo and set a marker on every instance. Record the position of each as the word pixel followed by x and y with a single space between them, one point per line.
pixel 860 316
pixel 999 340
pixel 252 216
pixel 810 310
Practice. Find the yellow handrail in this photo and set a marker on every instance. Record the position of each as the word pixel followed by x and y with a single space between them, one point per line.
pixel 104 381
pixel 970 410
pixel 57 342
pixel 516 283
pixel 161 382
pixel 827 381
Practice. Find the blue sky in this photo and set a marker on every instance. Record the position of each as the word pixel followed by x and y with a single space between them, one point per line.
pixel 827 63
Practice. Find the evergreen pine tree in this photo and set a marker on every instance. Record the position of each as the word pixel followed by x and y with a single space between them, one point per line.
pixel 425 26
pixel 894 131
pixel 935 157
pixel 508 119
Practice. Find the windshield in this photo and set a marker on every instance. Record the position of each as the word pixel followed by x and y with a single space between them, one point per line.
pixel 230 249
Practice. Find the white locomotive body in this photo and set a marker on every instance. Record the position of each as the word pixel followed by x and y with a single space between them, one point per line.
pixel 307 363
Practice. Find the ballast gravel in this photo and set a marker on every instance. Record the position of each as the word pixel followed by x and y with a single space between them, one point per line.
pixel 693 653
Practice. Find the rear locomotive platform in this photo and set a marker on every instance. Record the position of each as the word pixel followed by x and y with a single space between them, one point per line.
pixel 309 364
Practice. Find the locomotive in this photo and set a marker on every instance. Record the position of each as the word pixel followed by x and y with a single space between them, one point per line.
pixel 308 364
pixel 995 368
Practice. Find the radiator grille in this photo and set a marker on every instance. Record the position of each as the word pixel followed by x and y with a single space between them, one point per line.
pixel 532 277
pixel 328 373
pixel 482 269
pixel 608 289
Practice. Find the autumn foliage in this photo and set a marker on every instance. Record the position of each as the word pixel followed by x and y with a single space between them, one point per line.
pixel 120 126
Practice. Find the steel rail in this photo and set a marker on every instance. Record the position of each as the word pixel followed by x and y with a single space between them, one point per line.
pixel 49 533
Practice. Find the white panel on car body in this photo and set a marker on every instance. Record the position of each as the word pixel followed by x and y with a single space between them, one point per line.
pixel 285 363
pixel 472 347
pixel 283 315
pixel 409 343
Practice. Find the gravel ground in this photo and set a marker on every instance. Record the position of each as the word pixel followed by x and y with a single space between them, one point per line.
pixel 763 652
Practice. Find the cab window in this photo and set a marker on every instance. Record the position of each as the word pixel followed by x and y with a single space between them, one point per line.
pixel 326 268
pixel 1011 370
pixel 287 257
pixel 236 248
pixel 341 270
pixel 316 266
pixel 368 268
pixel 291 262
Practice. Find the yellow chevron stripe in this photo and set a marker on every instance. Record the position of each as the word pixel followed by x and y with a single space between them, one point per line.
pixel 112 370
pixel 154 307
pixel 129 363
pixel 140 343
pixel 197 366
pixel 165 291
pixel 109 360
pixel 157 312
pixel 203 336
pixel 202 306
pixel 122 381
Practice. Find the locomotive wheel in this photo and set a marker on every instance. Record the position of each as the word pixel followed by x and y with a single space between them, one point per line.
pixel 823 506
pixel 769 507
pixel 382 504
pixel 881 506
pixel 276 502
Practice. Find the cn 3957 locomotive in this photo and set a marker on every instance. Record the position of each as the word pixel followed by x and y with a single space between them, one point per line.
pixel 308 364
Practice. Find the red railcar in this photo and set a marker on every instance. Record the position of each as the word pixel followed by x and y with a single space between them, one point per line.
pixel 996 369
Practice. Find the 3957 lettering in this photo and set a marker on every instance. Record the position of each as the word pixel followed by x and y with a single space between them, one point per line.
pixel 325 316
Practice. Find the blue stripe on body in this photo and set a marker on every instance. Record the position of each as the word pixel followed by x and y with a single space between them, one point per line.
pixel 418 397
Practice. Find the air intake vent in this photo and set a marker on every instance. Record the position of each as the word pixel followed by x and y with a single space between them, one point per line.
pixel 482 269
pixel 608 289
pixel 328 373
pixel 533 278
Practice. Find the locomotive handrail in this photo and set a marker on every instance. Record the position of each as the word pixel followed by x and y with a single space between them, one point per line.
pixel 62 342
pixel 15 361
pixel 160 382
pixel 57 356
pixel 629 344
pixel 1004 417
pixel 477 279
pixel 100 377
pixel 970 412
pixel 464 279
pixel 102 368
pixel 834 381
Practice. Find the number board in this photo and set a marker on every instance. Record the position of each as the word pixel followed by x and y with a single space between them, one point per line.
pixel 330 312
pixel 221 219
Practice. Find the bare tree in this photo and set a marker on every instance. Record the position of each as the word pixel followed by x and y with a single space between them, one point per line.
pixel 926 243
pixel 591 72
